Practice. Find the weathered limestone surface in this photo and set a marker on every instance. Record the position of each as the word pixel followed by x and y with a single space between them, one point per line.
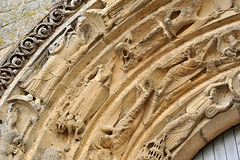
pixel 119 79
pixel 18 16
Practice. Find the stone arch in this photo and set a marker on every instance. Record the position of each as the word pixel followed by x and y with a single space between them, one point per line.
pixel 224 146
pixel 123 80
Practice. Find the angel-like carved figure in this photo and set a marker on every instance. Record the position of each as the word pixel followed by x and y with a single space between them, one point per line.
pixel 178 130
pixel 64 53
pixel 177 72
pixel 10 138
pixel 183 69
pixel 116 137
pixel 194 56
pixel 96 87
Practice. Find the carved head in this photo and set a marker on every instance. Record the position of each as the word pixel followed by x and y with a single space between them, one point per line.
pixel 124 51
pixel 70 117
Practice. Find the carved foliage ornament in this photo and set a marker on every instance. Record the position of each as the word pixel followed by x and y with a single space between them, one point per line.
pixel 36 37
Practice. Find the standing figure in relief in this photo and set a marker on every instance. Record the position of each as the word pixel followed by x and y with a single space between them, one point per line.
pixel 66 50
pixel 178 130
pixel 96 88
pixel 117 137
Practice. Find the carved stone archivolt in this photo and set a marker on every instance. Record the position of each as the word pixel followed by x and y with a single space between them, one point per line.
pixel 177 130
pixel 117 79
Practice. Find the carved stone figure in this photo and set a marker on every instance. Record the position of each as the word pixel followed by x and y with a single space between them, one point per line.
pixel 183 69
pixel 178 130
pixel 117 137
pixel 178 71
pixel 177 19
pixel 11 139
pixel 96 87
pixel 63 52
pixel 126 53
pixel 74 126
pixel 101 16
pixel 229 53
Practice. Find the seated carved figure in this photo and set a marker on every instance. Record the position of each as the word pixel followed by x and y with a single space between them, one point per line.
pixel 97 87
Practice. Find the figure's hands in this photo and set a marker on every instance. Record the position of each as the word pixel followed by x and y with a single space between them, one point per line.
pixel 17 141
pixel 61 124
pixel 146 85
pixel 15 150
pixel 229 104
pixel 72 63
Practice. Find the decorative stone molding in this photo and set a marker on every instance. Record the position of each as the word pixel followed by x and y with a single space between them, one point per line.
pixel 35 38
pixel 106 79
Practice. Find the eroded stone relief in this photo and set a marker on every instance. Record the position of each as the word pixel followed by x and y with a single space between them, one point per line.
pixel 111 80
pixel 12 144
pixel 117 136
pixel 25 49
pixel 97 88
pixel 177 130
pixel 62 53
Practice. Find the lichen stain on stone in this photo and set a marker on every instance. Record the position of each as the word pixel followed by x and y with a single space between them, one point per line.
pixel 18 16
